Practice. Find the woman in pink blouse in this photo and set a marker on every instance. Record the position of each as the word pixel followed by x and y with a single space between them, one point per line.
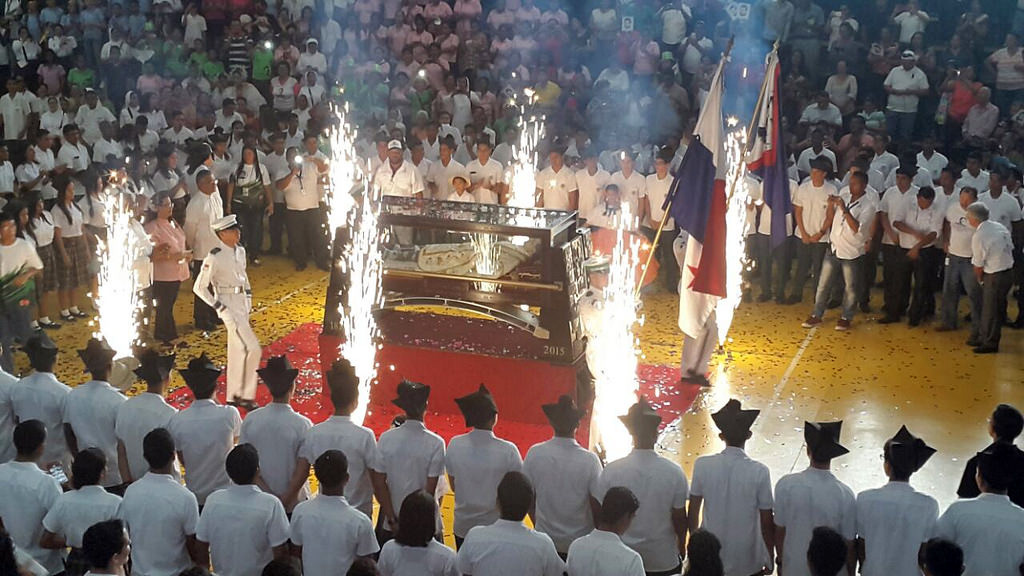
pixel 170 264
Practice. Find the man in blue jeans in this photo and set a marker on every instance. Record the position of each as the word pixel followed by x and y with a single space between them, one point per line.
pixel 959 274
pixel 850 219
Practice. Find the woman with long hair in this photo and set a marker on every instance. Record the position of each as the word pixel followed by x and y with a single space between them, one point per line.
pixel 703 555
pixel 94 223
pixel 39 230
pixel 250 197
pixel 170 264
pixel 72 250
pixel 167 179
pixel 414 551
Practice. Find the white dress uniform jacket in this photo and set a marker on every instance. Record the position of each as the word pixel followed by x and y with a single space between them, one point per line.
pixel 990 530
pixel 203 434
pixel 894 521
pixel 477 461
pixel 804 501
pixel 242 525
pixel 277 431
pixel 28 494
pixel 565 477
pixel 409 455
pixel 138 416
pixel 602 553
pixel 360 447
pixel 40 396
pixel 332 535
pixel 161 514
pixel 508 548
pixel 91 411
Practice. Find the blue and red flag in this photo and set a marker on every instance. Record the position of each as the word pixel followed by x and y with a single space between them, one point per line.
pixel 766 156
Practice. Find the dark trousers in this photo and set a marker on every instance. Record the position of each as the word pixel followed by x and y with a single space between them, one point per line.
pixel 898 271
pixel 926 278
pixel 1018 277
pixel 869 271
pixel 306 237
pixel 14 327
pixel 251 221
pixel 808 263
pixel 277 224
pixel 667 260
pixel 203 315
pixel 994 290
pixel 164 295
pixel 672 572
pixel 774 264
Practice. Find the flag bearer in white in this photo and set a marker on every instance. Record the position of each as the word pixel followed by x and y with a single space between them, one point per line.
pixel 143 413
pixel 479 460
pixel 658 533
pixel 736 494
pixel 812 498
pixel 895 521
pixel 602 553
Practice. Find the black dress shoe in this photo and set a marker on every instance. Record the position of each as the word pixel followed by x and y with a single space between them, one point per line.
pixel 986 349
pixel 764 297
pixel 49 325
pixel 68 317
pixel 888 320
pixel 80 314
pixel 973 343
pixel 698 379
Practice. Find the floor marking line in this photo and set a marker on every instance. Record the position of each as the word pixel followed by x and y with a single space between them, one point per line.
pixel 792 365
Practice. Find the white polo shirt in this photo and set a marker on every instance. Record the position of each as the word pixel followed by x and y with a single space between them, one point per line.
pixel 602 553
pixel 979 182
pixel 565 477
pixel 924 220
pixel 735 489
pixel 360 447
pixel 490 174
pixel 40 396
pixel 75 511
pixel 990 530
pixel 409 455
pixel 813 200
pixel 29 493
pixel 477 461
pixel 900 78
pixel 441 176
pixel 1003 209
pixel 660 486
pixel 632 189
pixel 161 514
pixel 91 410
pixel 803 162
pixel 435 559
pixel 508 548
pixel 138 416
pixel 894 521
pixel 934 165
pixel 992 247
pixel 591 187
pixel 406 181
pixel 657 192
pixel 960 231
pixel 242 525
pixel 203 435
pixel 74 156
pixel 276 431
pixel 884 163
pixel 332 535
pixel 894 203
pixel 806 500
pixel 556 186
pixel 7 384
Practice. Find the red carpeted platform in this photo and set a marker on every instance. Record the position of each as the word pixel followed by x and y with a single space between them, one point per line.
pixel 519 386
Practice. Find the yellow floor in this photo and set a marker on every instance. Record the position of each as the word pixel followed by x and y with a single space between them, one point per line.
pixel 874 377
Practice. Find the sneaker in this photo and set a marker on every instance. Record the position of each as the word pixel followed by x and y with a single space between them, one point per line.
pixel 811 321
pixel 842 325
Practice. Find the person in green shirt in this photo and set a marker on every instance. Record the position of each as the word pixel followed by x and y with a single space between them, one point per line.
pixel 81 76
pixel 214 68
pixel 262 57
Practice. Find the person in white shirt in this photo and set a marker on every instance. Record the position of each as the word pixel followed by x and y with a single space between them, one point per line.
pixel 736 494
pixel 415 551
pixel 590 183
pixel 959 273
pixel 894 265
pixel 7 418
pixel 303 191
pixel 90 115
pixel 478 460
pixel 919 225
pixel 143 413
pixel 20 263
pixel 905 84
pixel 931 160
pixel 989 528
pixel 75 511
pixel 311 59
pixel 812 498
pixel 396 177
pixel 487 175
pixel 816 150
pixel 992 258
pixel 40 396
pixel 14 112
pixel 409 457
pixel 565 477
pixel 508 546
pixel 90 411
pixel 73 157
pixel 440 173
pixel 822 112
pixel 276 431
pixel 632 187
pixel 972 175
pixel 881 549
pixel 810 212
pixel 29 493
pixel 1002 207
pixel 556 184
pixel 658 532
pixel 602 552
pixel 242 527
pixel 657 186
pixel 205 431
pixel 204 208
pixel 327 532
pixel 161 514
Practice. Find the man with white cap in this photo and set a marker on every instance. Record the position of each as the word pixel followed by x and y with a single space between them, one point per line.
pixel 905 85
pixel 396 177
pixel 223 284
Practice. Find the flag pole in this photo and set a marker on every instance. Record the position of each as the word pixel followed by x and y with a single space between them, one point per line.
pixel 750 128
pixel 665 216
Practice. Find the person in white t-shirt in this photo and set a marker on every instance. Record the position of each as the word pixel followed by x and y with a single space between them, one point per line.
pixel 905 84
pixel 959 273
pixel 556 184
pixel 460 189
pixel 602 552
pixel 18 258
pixel 415 551
pixel 911 21
pixel 658 186
pixel 810 207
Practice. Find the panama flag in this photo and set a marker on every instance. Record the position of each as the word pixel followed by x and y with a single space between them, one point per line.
pixel 697 202
pixel 766 156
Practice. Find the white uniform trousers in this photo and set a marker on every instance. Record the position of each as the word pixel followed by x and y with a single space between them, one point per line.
pixel 697 351
pixel 243 353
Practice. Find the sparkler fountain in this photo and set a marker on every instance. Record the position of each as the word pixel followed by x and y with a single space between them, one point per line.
pixel 735 226
pixel 117 299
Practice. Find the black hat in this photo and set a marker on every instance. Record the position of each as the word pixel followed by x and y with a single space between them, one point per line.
pixel 908 452
pixel 563 414
pixel 733 420
pixel 1000 463
pixel 641 418
pixel 97 354
pixel 822 440
pixel 412 396
pixel 201 375
pixel 907 169
pixel 558 146
pixel 278 374
pixel 39 346
pixel 477 407
pixel 154 368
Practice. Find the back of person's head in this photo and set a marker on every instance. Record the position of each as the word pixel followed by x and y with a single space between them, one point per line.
pixel 242 464
pixel 619 502
pixel 281 568
pixel 363 567
pixel 344 384
pixel 331 469
pixel 998 465
pixel 102 542
pixel 704 555
pixel 1007 423
pixel 158 448
pixel 29 437
pixel 826 554
pixel 417 520
pixel 942 558
pixel 515 496
pixel 87 468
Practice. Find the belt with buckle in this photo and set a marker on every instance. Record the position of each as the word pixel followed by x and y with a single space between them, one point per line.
pixel 231 290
